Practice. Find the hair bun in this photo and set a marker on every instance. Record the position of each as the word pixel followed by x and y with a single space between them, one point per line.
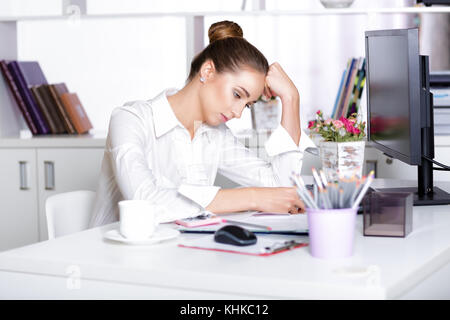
pixel 224 29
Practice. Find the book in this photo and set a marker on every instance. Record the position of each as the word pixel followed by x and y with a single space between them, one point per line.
pixel 349 87
pixel 17 97
pixel 56 90
pixel 359 86
pixel 353 94
pixel 76 112
pixel 45 112
pixel 350 63
pixel 52 108
pixel 338 94
pixel 23 84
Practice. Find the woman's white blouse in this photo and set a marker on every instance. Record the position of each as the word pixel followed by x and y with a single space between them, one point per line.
pixel 149 155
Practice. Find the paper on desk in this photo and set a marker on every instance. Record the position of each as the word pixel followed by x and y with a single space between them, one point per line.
pixel 278 223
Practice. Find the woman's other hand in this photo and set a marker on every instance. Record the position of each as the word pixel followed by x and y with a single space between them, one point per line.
pixel 277 200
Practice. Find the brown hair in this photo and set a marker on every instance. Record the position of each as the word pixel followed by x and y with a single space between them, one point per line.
pixel 228 50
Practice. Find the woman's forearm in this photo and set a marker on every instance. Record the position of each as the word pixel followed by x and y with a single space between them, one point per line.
pixel 290 117
pixel 232 200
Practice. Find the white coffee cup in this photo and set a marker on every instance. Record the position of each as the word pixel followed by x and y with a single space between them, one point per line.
pixel 138 218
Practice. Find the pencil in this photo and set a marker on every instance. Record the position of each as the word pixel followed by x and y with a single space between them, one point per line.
pixel 324 178
pixel 302 195
pixel 317 178
pixel 341 198
pixel 363 190
pixel 307 193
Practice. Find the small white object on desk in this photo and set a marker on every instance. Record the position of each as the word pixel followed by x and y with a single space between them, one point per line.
pixel 160 234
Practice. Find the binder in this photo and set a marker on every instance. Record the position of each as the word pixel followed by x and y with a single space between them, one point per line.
pixel 263 247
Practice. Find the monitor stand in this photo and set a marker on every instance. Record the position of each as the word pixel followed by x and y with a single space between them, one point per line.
pixel 437 197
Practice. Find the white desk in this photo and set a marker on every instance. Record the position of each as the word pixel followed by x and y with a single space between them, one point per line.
pixel 84 266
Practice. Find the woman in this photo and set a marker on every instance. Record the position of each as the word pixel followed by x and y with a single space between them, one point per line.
pixel 170 148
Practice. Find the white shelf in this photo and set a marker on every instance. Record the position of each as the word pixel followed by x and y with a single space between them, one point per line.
pixel 342 11
pixel 55 141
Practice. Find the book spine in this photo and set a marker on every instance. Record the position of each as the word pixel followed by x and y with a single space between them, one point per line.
pixel 357 95
pixel 51 108
pixel 342 94
pixel 43 108
pixel 18 98
pixel 37 116
pixel 76 112
pixel 347 84
pixel 333 114
pixel 363 81
pixel 354 95
pixel 58 103
pixel 353 86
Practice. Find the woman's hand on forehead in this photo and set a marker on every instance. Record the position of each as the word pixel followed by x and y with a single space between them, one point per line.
pixel 278 83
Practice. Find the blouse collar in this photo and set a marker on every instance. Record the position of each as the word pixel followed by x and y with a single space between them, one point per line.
pixel 164 118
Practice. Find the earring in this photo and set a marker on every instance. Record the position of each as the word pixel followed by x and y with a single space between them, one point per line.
pixel 202 79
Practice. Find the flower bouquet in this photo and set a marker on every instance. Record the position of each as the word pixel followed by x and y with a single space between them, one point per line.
pixel 342 145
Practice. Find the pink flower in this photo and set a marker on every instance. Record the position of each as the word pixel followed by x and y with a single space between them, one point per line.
pixel 328 122
pixel 311 124
pixel 348 124
pixel 319 112
pixel 338 124
pixel 356 131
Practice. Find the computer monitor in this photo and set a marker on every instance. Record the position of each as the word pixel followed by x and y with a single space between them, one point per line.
pixel 400 107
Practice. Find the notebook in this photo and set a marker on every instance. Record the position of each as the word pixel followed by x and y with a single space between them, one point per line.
pixel 278 223
pixel 76 112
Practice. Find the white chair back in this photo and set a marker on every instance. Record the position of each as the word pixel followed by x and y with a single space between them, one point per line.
pixel 68 212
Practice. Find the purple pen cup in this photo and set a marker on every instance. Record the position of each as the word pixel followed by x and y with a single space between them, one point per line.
pixel 331 232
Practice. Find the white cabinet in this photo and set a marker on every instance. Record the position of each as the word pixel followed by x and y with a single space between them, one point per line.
pixel 31 171
pixel 62 170
pixel 18 198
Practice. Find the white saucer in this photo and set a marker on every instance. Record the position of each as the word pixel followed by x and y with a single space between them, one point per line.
pixel 161 234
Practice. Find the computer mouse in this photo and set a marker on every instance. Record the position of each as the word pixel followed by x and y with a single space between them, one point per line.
pixel 235 235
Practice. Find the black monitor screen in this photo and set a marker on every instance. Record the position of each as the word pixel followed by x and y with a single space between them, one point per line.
pixel 388 96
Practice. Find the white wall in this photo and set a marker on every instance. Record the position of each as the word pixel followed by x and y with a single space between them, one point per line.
pixel 108 61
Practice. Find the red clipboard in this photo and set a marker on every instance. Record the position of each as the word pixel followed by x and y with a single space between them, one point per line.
pixel 263 247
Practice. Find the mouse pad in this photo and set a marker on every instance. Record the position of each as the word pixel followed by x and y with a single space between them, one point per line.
pixel 263 247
